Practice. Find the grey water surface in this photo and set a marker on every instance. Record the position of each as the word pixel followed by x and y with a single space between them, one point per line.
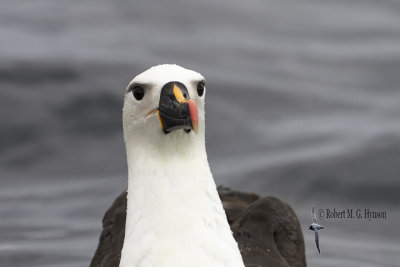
pixel 303 102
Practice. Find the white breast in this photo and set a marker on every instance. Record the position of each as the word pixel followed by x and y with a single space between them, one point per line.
pixel 175 217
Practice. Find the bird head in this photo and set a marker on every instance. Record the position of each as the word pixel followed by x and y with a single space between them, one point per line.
pixel 164 109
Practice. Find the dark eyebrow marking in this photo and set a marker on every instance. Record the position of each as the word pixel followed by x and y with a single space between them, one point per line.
pixel 133 85
pixel 196 82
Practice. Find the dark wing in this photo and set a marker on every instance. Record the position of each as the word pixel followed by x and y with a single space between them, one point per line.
pixel 317 240
pixel 314 218
pixel 266 229
pixel 108 253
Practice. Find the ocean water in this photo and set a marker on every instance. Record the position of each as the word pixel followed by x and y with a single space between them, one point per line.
pixel 303 102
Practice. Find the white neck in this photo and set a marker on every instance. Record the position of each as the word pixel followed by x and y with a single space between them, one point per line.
pixel 175 217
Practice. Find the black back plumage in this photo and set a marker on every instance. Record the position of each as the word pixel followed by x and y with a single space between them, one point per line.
pixel 266 229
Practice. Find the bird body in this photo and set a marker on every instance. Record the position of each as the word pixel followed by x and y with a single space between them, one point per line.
pixel 172 214
pixel 316 227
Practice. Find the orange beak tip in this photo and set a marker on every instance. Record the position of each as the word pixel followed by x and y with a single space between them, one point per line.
pixel 193 114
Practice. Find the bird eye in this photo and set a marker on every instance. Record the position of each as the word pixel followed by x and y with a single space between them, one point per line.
pixel 138 92
pixel 200 88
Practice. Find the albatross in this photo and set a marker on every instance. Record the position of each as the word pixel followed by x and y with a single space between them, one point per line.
pixel 173 214
pixel 315 227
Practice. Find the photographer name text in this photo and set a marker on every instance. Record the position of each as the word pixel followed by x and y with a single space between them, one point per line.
pixel 367 214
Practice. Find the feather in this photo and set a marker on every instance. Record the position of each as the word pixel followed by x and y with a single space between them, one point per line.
pixel 266 229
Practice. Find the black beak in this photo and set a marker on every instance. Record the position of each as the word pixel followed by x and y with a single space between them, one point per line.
pixel 176 110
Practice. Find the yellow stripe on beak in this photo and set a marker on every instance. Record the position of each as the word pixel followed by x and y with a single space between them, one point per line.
pixel 161 122
pixel 178 94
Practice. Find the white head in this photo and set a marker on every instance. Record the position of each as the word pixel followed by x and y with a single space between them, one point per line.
pixel 173 125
